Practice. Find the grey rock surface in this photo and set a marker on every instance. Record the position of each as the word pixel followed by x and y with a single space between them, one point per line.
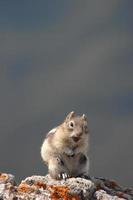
pixel 46 188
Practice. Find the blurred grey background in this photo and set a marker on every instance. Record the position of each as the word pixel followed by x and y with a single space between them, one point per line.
pixel 59 56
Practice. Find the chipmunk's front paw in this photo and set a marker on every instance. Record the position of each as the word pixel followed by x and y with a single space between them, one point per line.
pixel 63 176
pixel 69 152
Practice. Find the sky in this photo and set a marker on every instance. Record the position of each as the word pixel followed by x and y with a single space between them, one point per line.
pixel 59 56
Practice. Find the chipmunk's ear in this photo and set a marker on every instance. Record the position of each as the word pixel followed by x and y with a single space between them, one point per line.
pixel 84 117
pixel 70 116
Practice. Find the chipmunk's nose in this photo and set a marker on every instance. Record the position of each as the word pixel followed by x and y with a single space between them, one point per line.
pixel 75 138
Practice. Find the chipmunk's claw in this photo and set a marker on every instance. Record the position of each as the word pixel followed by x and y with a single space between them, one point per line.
pixel 63 176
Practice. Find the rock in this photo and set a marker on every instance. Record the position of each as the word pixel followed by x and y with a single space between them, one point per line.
pixel 76 186
pixel 46 188
pixel 101 194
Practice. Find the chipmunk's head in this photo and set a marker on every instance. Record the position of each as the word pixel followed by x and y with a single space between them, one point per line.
pixel 76 126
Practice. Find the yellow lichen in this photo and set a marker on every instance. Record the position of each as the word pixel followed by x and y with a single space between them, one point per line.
pixel 3 177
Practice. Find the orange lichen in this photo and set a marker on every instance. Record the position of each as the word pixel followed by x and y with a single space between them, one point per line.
pixel 111 184
pixel 3 177
pixel 62 192
pixel 39 184
pixel 98 186
pixel 56 192
pixel 120 194
pixel 25 188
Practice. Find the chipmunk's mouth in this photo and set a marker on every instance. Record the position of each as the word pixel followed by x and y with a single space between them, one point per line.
pixel 75 139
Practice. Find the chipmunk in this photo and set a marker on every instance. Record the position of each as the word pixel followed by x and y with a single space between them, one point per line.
pixel 65 148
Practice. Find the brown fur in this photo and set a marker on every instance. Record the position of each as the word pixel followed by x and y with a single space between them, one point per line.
pixel 65 149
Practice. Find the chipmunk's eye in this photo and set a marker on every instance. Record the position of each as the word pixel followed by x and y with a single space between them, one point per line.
pixel 71 124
